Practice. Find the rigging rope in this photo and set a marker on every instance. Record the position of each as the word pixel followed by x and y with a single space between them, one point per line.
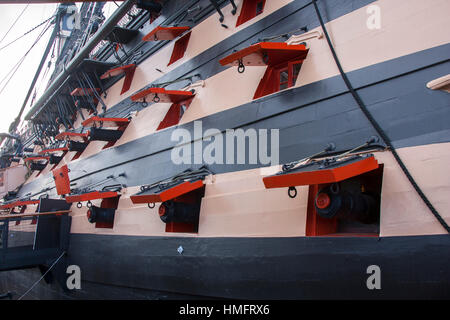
pixel 19 63
pixel 54 263
pixel 39 36
pixel 377 127
pixel 14 23
pixel 42 23
pixel 49 65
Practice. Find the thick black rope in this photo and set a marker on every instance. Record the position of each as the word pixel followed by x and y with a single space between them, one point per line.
pixel 377 127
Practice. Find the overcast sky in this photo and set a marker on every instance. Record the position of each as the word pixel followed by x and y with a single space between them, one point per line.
pixel 12 97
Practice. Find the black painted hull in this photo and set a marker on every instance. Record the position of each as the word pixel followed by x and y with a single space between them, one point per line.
pixel 254 268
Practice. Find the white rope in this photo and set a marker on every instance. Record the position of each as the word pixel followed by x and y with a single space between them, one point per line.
pixel 54 263
pixel 14 23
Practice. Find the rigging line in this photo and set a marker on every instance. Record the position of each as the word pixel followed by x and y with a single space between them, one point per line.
pixel 49 64
pixel 42 23
pixel 38 87
pixel 16 67
pixel 19 63
pixel 14 23
pixel 39 36
pixel 86 35
pixel 54 263
pixel 377 127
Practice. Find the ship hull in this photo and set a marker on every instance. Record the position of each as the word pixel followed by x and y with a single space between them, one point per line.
pixel 122 267
pixel 252 242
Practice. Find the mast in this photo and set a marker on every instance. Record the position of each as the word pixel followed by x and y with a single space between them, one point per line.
pixel 53 36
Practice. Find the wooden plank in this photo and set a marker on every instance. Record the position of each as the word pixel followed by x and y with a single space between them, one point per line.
pixel 20 215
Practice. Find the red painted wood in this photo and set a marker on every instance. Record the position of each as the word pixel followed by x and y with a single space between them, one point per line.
pixel 73 136
pixel 164 95
pixel 77 155
pixel 164 33
pixel 168 194
pixel 36 158
pixel 173 116
pixel 276 53
pixel 179 48
pixel 111 203
pixel 117 71
pixel 54 150
pixel 62 180
pixel 249 10
pixel 315 224
pixel 321 176
pixel 267 85
pixel 91 196
pixel 106 122
pixel 129 74
pixel 127 81
pixel 270 82
pixel 180 227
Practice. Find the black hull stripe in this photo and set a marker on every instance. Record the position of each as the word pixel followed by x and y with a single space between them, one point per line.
pixel 308 118
pixel 265 268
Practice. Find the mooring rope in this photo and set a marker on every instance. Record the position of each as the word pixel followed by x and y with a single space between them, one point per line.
pixel 54 263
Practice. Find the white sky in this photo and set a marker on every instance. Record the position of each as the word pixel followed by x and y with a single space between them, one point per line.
pixel 12 97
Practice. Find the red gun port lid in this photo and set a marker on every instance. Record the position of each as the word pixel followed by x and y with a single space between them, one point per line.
pixel 266 53
pixel 165 33
pixel 96 121
pixel 316 173
pixel 155 194
pixel 162 95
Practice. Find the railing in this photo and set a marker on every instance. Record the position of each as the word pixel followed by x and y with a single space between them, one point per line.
pixel 17 232
pixel 33 239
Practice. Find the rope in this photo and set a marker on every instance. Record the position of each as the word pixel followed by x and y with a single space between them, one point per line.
pixel 54 263
pixel 49 64
pixel 164 84
pixel 14 69
pixel 283 35
pixel 183 176
pixel 377 127
pixel 42 23
pixel 14 23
